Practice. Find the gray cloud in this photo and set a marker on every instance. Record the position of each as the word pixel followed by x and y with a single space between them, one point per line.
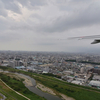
pixel 3 12
pixel 3 24
pixel 36 16
pixel 21 27
pixel 11 5
pixel 9 37
pixel 38 2
pixel 24 2
pixel 37 24
pixel 32 4
pixel 87 17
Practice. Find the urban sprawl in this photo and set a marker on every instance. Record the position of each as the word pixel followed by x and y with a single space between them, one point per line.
pixel 81 69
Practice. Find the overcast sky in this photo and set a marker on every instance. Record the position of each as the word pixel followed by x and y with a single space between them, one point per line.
pixel 37 25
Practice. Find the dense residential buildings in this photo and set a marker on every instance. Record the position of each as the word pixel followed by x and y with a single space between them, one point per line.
pixel 82 69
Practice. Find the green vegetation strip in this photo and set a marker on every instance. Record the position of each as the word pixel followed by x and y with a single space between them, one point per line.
pixel 76 91
pixel 15 91
pixel 64 82
pixel 11 95
pixel 18 86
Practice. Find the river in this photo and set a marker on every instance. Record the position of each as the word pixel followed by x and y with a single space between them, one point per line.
pixel 39 92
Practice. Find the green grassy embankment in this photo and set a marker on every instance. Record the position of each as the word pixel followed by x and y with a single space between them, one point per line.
pixel 10 95
pixel 75 91
pixel 18 86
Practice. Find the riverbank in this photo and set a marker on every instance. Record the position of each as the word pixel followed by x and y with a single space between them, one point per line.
pixel 43 91
pixel 51 91
pixel 43 88
pixel 15 83
pixel 31 84
pixel 66 97
pixel 26 81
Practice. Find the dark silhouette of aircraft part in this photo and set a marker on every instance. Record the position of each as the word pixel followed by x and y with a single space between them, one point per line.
pixel 95 42
pixel 96 37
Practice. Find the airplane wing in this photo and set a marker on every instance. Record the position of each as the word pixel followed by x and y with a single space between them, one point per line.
pixel 86 37
pixel 96 37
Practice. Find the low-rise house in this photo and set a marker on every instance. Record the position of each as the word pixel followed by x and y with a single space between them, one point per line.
pixel 94 83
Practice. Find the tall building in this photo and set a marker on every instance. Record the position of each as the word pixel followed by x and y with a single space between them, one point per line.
pixel 18 63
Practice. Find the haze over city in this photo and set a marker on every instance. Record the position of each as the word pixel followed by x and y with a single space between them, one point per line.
pixel 37 25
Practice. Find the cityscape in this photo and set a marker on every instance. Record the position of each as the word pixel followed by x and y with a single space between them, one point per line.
pixel 80 69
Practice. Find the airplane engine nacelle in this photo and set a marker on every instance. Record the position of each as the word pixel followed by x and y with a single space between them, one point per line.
pixel 95 42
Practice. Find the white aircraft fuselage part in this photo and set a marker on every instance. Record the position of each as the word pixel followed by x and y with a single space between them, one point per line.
pixel 96 37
